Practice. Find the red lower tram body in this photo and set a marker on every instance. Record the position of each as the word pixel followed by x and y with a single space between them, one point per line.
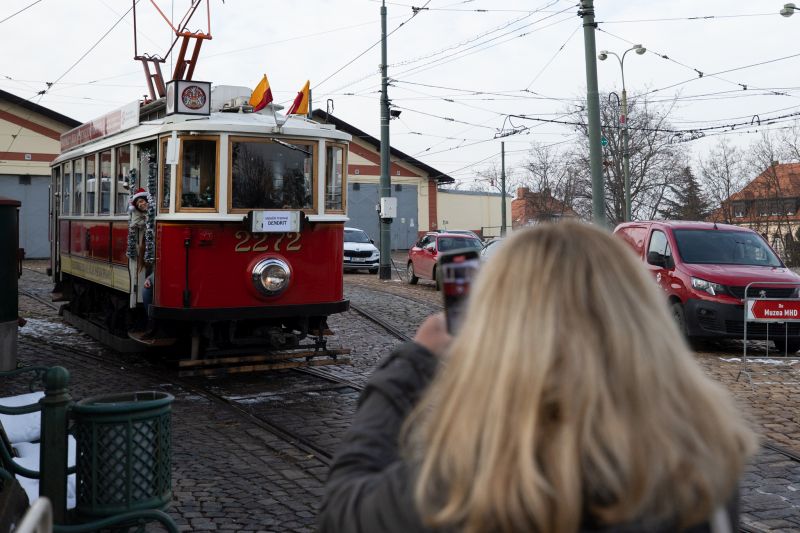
pixel 203 281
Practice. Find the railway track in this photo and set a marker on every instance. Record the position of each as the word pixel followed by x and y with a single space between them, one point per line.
pixel 241 410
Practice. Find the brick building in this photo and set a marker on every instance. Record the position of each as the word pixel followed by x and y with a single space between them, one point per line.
pixel 529 208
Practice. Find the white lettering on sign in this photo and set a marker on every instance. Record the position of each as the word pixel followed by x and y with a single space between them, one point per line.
pixel 275 221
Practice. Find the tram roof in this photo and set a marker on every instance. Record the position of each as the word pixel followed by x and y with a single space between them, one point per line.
pixel 263 123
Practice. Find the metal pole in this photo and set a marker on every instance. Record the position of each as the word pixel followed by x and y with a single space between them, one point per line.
pixel 385 271
pixel 626 155
pixel 53 446
pixel 593 108
pixel 503 188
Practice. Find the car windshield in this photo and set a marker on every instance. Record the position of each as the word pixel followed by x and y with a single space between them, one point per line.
pixel 454 243
pixel 355 235
pixel 725 248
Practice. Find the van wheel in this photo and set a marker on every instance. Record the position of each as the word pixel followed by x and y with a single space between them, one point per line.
pixel 787 346
pixel 412 279
pixel 437 279
pixel 679 315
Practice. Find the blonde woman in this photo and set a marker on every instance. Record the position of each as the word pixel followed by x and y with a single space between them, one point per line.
pixel 568 402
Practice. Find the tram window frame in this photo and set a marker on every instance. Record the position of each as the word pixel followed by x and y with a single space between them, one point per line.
pixel 164 177
pixel 313 146
pixel 179 175
pixel 109 178
pixel 121 179
pixel 78 186
pixel 343 185
pixel 66 188
pixel 93 159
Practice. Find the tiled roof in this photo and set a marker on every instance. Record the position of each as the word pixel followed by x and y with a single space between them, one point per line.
pixel 777 181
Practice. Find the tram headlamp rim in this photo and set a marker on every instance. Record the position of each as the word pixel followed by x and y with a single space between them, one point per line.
pixel 262 285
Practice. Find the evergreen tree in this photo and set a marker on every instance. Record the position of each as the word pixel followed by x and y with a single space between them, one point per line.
pixel 688 201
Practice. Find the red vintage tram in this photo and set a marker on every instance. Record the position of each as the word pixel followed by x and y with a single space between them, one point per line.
pixel 247 226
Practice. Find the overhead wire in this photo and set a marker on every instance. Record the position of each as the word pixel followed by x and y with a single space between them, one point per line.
pixel 11 16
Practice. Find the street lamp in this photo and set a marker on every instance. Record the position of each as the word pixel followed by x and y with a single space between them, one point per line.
pixel 626 156
pixel 788 10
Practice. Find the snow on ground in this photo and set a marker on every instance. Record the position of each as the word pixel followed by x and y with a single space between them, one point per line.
pixel 762 360
pixel 53 330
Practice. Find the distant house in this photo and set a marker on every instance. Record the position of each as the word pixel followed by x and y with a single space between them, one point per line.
pixel 769 205
pixel 529 208
pixel 30 136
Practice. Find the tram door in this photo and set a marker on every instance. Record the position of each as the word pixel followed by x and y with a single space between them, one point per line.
pixel 146 167
pixel 55 196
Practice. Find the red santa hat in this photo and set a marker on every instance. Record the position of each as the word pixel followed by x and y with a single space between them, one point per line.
pixel 140 193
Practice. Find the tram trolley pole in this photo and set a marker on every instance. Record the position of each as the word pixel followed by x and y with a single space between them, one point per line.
pixel 763 309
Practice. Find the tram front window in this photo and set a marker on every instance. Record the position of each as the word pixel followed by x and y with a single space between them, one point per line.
pixel 272 175
pixel 199 174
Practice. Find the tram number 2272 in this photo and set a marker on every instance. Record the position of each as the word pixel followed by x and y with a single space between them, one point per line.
pixel 247 242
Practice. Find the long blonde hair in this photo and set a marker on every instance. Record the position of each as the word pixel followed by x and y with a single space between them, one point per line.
pixel 570 395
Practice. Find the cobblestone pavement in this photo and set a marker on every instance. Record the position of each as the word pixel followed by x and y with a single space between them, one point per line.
pixel 230 474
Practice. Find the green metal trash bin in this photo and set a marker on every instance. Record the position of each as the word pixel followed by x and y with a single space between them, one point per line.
pixel 123 453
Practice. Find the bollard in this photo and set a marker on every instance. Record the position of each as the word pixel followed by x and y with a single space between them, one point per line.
pixel 9 310
pixel 53 448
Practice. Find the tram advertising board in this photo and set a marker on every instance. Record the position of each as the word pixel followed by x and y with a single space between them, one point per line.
pixel 772 310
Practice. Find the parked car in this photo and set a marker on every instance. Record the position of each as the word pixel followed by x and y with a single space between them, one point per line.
pixel 490 248
pixel 460 232
pixel 704 268
pixel 360 252
pixel 423 256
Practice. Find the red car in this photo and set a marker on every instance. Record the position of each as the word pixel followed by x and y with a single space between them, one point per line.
pixel 423 256
pixel 703 268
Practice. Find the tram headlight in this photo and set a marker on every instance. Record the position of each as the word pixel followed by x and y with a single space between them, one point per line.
pixel 271 276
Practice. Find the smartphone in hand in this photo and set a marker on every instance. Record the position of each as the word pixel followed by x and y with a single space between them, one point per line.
pixel 458 268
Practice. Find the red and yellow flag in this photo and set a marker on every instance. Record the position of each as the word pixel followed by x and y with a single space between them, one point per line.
pixel 300 104
pixel 262 95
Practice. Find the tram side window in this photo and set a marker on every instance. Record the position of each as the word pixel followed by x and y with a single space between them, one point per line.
pixel 271 175
pixel 77 190
pixel 105 182
pixel 333 179
pixel 166 177
pixel 66 189
pixel 91 186
pixel 123 185
pixel 199 174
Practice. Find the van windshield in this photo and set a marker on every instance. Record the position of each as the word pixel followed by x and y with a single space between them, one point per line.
pixel 724 248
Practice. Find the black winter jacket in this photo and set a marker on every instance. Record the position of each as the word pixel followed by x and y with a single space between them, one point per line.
pixel 370 488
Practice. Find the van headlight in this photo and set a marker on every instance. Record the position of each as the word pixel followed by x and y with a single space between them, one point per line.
pixel 707 286
pixel 271 276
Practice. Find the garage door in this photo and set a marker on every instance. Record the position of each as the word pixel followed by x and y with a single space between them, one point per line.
pixel 361 201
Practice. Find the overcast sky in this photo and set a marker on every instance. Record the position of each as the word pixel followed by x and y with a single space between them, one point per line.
pixel 460 67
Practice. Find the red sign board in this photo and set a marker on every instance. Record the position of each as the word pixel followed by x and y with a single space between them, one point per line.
pixel 124 118
pixel 759 310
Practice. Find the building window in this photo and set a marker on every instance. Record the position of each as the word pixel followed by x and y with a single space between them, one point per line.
pixel 25 180
pixel 398 187
pixel 789 206
pixel 356 186
pixel 738 209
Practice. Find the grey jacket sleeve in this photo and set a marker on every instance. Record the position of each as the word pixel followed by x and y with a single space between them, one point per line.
pixel 369 488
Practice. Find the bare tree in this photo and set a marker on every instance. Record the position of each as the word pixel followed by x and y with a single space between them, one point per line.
pixel 549 173
pixel 656 159
pixel 723 173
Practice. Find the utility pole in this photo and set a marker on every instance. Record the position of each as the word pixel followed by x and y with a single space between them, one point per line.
pixel 626 154
pixel 503 188
pixel 385 271
pixel 593 108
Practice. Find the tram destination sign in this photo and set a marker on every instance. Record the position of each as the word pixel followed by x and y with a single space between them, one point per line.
pixel 766 310
pixel 273 221
pixel 124 118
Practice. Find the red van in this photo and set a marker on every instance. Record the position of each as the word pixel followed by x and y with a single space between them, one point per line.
pixel 704 268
